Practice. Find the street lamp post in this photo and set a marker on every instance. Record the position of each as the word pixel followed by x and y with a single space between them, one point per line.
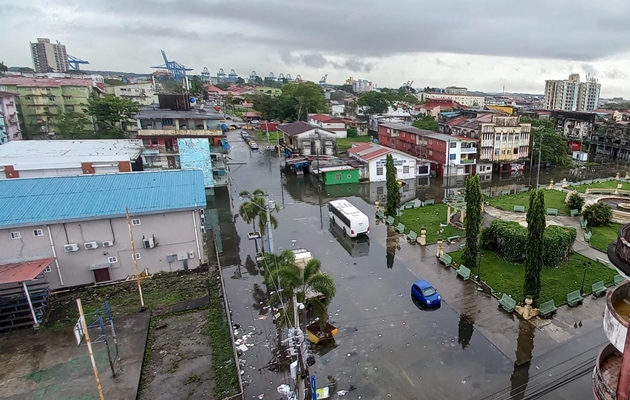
pixel 585 267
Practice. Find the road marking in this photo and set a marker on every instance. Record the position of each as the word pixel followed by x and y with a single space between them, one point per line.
pixel 407 376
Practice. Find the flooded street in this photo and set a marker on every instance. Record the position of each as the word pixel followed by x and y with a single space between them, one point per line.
pixel 387 346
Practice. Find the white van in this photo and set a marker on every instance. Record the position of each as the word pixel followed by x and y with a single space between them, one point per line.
pixel 349 218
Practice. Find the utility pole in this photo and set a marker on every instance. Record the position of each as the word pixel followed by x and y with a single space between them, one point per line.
pixel 539 155
pixel 135 260
pixel 86 334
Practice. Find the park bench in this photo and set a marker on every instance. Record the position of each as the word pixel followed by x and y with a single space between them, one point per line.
pixel 583 223
pixel 446 260
pixel 603 261
pixel 523 190
pixel 400 228
pixel 587 236
pixel 552 211
pixel 505 192
pixel 599 288
pixel 574 298
pixel 380 215
pixel 507 303
pixel 574 212
pixel 412 237
pixel 409 205
pixel 618 279
pixel 429 202
pixel 451 239
pixel 548 308
pixel 389 220
pixel 464 272
pixel 519 208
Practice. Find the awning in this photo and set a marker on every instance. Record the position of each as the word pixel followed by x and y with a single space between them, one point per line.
pixel 99 266
pixel 23 271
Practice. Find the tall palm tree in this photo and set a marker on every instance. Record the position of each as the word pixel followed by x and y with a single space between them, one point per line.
pixel 256 208
pixel 310 285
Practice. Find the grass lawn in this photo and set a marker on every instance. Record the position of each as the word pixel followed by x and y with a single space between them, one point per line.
pixel 273 136
pixel 346 143
pixel 605 185
pixel 603 236
pixel 430 217
pixel 162 289
pixel 506 277
pixel 553 199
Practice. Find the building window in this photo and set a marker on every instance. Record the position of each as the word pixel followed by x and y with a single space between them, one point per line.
pixel 338 177
pixel 167 121
pixel 112 259
pixel 137 257
pixel 47 269
pixel 403 134
pixel 67 97
pixel 515 150
pixel 405 169
pixel 379 170
pixel 452 156
pixel 430 152
pixel 453 145
pixel 135 222
pixel 27 97
pixel 154 142
pixel 379 191
pixel 70 108
pixel 51 98
pixel 430 141
pixel 38 232
pixel 15 235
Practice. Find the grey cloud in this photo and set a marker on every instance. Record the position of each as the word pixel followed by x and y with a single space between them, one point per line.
pixel 315 60
pixel 615 74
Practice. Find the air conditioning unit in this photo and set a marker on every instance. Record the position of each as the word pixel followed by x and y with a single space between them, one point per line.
pixel 170 257
pixel 203 229
pixel 191 254
pixel 90 245
pixel 69 248
pixel 182 256
pixel 108 243
pixel 148 243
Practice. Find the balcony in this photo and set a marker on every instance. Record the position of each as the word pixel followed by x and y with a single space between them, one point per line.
pixel 468 150
pixel 616 315
pixel 468 161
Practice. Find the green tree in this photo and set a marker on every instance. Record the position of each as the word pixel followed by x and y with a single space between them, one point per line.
pixel 427 122
pixel 374 102
pixel 308 283
pixel 197 88
pixel 536 224
pixel 112 114
pixel 258 81
pixel 256 207
pixel 554 146
pixel 294 104
pixel 3 67
pixel 473 220
pixel 597 214
pixel 393 189
pixel 575 201
pixel 74 125
pixel 240 81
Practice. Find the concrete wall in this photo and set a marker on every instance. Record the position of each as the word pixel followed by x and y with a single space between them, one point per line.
pixel 175 233
pixel 400 162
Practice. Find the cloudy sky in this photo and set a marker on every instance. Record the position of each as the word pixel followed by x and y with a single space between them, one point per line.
pixel 482 45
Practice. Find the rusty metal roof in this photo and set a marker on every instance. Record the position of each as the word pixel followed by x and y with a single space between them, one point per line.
pixel 23 271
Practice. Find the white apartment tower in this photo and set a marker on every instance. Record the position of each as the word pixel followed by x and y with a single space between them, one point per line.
pixel 571 94
pixel 49 57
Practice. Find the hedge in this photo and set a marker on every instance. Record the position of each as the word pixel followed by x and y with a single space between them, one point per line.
pixel 509 239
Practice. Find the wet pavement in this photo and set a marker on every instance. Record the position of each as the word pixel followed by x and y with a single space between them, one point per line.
pixel 387 346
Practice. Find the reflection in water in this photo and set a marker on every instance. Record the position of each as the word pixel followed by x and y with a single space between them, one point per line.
pixel 464 332
pixel 261 299
pixel 251 266
pixel 524 349
pixel 392 244
pixel 356 247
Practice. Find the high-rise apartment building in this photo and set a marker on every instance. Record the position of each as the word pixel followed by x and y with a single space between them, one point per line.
pixel 49 57
pixel 571 94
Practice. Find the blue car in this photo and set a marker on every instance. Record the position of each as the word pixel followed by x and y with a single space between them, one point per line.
pixel 426 294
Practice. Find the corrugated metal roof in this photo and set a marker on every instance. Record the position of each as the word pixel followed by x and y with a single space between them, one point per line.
pixel 26 202
pixel 23 271
pixel 44 82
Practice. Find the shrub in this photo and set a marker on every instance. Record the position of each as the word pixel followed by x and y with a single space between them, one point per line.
pixel 598 214
pixel 509 239
pixel 575 201
pixel 352 132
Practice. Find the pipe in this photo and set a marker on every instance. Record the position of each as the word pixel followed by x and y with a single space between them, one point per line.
pixel 197 238
pixel 52 246
pixel 30 305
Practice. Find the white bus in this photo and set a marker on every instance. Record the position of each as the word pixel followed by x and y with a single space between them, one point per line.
pixel 349 218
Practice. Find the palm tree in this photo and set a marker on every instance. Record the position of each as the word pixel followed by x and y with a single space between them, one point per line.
pixel 310 285
pixel 256 207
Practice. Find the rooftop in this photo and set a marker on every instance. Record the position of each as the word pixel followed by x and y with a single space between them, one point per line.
pixel 371 151
pixel 180 133
pixel 44 82
pixel 423 132
pixel 332 169
pixel 39 201
pixel 295 128
pixel 153 112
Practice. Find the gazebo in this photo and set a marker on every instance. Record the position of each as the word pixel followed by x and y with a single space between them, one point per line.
pixel 23 293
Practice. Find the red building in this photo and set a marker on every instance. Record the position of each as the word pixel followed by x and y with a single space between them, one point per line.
pixel 453 155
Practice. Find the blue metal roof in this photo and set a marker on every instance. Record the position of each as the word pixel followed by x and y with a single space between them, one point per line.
pixel 450 113
pixel 30 201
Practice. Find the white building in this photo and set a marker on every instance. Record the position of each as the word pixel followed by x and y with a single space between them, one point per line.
pixel 329 123
pixel 374 157
pixel 37 158
pixel 362 85
pixel 456 90
pixel 142 93
pixel 49 57
pixel 467 100
pixel 301 138
pixel 571 94
pixel 504 139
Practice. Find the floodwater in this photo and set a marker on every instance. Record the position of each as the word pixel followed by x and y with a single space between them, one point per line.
pixel 387 346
